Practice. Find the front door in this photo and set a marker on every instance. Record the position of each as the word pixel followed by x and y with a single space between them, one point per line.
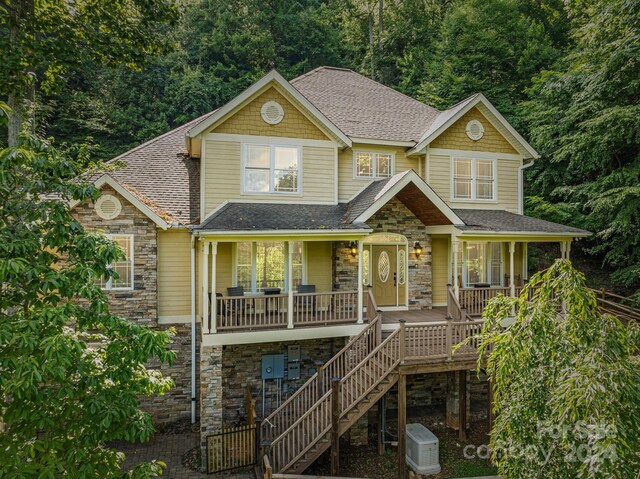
pixel 384 277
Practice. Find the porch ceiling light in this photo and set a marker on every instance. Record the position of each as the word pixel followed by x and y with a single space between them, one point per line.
pixel 417 249
pixel 353 249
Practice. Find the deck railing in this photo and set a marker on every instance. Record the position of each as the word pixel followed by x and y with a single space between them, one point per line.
pixel 249 313
pixel 474 300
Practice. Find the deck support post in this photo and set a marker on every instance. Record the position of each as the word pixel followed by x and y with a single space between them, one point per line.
pixel 205 287
pixel 214 300
pixel 360 292
pixel 462 405
pixel 335 426
pixel 290 285
pixel 382 412
pixel 402 340
pixel 512 280
pixel 402 426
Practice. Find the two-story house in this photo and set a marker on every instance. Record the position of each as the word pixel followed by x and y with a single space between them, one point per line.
pixel 273 229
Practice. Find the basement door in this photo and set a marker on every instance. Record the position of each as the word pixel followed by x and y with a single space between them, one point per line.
pixel 389 274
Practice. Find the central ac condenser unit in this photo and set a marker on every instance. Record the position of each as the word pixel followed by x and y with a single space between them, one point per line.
pixel 422 449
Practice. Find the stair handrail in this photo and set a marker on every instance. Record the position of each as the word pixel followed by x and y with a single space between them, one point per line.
pixel 314 388
pixel 612 303
pixel 454 309
pixel 392 343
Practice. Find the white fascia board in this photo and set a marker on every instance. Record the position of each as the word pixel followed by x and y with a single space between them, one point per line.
pixel 295 334
pixel 480 98
pixel 522 233
pixel 410 177
pixel 272 76
pixel 327 232
pixel 148 212
pixel 374 141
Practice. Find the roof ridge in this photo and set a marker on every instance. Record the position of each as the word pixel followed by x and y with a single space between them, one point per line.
pixel 461 102
pixel 157 138
pixel 316 69
pixel 325 67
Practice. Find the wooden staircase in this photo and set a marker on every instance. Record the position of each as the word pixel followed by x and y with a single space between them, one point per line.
pixel 349 384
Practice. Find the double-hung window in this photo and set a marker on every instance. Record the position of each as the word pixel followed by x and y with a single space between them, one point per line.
pixel 483 263
pixel 373 165
pixel 474 179
pixel 263 264
pixel 271 169
pixel 123 267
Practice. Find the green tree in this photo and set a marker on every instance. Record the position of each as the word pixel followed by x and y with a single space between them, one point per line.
pixel 71 372
pixel 42 40
pixel 487 46
pixel 566 382
pixel 584 118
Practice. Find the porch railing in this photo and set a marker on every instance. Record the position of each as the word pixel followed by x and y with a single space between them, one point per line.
pixel 474 300
pixel 248 313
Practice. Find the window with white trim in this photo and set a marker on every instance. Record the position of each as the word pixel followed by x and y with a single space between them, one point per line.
pixel 263 264
pixel 271 169
pixel 473 179
pixel 483 263
pixel 373 165
pixel 123 267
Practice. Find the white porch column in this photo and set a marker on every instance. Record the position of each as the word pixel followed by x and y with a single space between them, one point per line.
pixel 512 280
pixel 360 294
pixel 525 261
pixel 214 301
pixel 567 250
pixel 563 249
pixel 205 287
pixel 454 252
pixel 289 285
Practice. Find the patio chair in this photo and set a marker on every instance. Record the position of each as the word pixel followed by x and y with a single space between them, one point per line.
pixel 307 302
pixel 232 304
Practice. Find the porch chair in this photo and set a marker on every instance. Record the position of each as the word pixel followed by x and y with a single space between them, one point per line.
pixel 231 305
pixel 517 280
pixel 307 302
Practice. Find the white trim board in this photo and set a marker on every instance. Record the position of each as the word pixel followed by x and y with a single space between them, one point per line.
pixel 126 194
pixel 402 180
pixel 271 77
pixel 276 335
pixel 480 155
pixel 258 140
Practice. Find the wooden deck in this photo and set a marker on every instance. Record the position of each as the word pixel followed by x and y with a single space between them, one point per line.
pixel 438 313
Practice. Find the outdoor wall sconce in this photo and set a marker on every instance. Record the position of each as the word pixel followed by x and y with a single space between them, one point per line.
pixel 353 248
pixel 417 249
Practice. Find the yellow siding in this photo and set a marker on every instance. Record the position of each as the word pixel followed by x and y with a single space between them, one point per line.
pixel 455 137
pixel 439 269
pixel 348 186
pixel 224 268
pixel 506 177
pixel 223 175
pixel 174 276
pixel 248 120
pixel 319 265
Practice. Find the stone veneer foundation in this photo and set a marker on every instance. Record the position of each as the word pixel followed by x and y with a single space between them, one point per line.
pixel 140 304
pixel 226 371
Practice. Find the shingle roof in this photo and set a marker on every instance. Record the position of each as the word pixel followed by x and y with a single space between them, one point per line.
pixel 278 216
pixel 364 108
pixel 159 174
pixel 500 220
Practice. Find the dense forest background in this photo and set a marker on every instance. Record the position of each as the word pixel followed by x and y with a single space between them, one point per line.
pixel 566 73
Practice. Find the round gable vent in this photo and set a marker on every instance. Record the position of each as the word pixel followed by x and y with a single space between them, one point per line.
pixel 475 130
pixel 272 112
pixel 108 207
